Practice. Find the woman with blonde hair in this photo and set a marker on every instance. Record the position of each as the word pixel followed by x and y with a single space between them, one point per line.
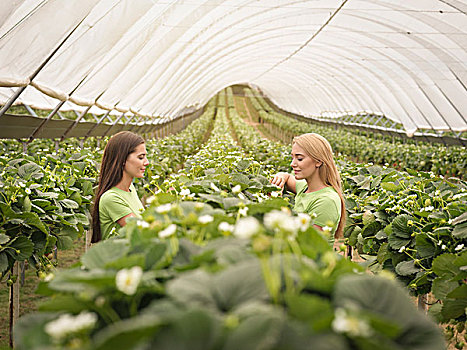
pixel 316 182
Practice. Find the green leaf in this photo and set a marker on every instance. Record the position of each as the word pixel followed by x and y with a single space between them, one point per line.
pixel 460 231
pixel 68 203
pixel 26 218
pixel 23 245
pixel 313 244
pixel 64 242
pixel 39 239
pixel 435 312
pixel 459 293
pixel 3 262
pixel 192 288
pixel 390 186
pixel 27 204
pixel 76 280
pixel 383 253
pixel 312 309
pixel 441 287
pixel 460 219
pixel 453 308
pixel 66 237
pixel 374 170
pixel 227 251
pixel 41 202
pixel 425 247
pixel 29 170
pixel 154 254
pixel 384 298
pixel 365 184
pixel 231 202
pixel 87 188
pixel 443 265
pixel 243 165
pixel 127 261
pixel 407 268
pixel 4 238
pixel 51 195
pixel 400 226
pixel 354 236
pixel 397 243
pixel 63 303
pixel 194 329
pixel 128 333
pixel 239 283
pixel 371 229
pixel 103 253
pixel 82 219
pixel 212 197
pixel 266 206
pixel 381 235
pixel 261 331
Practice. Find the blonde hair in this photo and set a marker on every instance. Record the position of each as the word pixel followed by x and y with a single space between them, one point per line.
pixel 318 148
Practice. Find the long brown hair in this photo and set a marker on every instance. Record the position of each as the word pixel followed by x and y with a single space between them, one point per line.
pixel 115 155
pixel 318 148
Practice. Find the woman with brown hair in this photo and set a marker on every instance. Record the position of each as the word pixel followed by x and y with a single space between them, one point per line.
pixel 316 182
pixel 116 198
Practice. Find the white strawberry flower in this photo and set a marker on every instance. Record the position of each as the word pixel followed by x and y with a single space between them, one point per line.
pixel 68 324
pixel 205 219
pixel 225 227
pixel 243 211
pixel 247 227
pixel 214 187
pixel 164 208
pixel 352 325
pixel 236 189
pixel 185 192
pixel 142 224
pixel 127 280
pixel 168 231
pixel 303 221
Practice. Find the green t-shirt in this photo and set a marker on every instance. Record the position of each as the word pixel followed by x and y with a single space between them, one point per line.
pixel 114 205
pixel 325 203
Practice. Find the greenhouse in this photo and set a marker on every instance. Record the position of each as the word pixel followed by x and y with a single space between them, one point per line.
pixel 233 174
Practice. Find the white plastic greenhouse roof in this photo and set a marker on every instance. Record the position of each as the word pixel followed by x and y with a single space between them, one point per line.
pixel 404 59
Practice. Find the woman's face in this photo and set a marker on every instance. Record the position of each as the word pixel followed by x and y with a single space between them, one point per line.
pixel 136 162
pixel 304 166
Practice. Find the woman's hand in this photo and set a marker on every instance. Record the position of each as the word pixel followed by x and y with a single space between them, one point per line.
pixel 280 179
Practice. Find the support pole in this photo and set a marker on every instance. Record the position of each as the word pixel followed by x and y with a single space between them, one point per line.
pixel 96 125
pixel 14 301
pixel 115 123
pixel 45 121
pixel 75 123
pixel 12 100
pixel 423 302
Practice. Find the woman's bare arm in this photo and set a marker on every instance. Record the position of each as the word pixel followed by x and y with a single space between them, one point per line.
pixel 122 221
pixel 285 180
